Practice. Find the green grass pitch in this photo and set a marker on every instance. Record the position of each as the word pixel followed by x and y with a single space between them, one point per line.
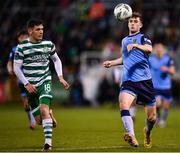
pixel 84 130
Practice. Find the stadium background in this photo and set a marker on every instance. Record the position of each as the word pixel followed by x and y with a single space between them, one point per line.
pixel 83 40
pixel 84 37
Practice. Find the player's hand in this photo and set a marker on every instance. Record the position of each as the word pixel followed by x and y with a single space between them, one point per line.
pixel 10 71
pixel 64 83
pixel 30 88
pixel 107 64
pixel 131 47
pixel 164 68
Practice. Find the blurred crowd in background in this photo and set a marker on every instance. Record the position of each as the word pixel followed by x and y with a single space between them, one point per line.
pixel 81 26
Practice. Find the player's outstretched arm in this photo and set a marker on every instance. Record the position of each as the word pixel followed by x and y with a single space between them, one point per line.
pixel 108 64
pixel 58 67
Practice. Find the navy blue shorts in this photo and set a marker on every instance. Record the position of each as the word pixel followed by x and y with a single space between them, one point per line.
pixel 164 94
pixel 22 90
pixel 142 90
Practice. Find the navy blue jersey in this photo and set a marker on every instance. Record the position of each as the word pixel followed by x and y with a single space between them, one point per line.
pixel 136 64
pixel 161 80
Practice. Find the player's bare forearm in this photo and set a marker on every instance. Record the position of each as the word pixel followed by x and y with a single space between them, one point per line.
pixel 10 67
pixel 108 64
pixel 170 70
pixel 64 82
pixel 145 48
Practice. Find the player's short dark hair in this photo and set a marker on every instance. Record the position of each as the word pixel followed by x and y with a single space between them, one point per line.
pixel 137 15
pixel 159 42
pixel 22 32
pixel 34 22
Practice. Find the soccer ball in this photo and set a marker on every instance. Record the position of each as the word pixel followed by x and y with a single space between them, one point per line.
pixel 122 11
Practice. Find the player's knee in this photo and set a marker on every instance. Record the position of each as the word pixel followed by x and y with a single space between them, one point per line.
pixel 123 106
pixel 152 118
pixel 44 112
pixel 166 106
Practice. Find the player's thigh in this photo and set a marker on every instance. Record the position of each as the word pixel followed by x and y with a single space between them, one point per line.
pixel 45 93
pixel 151 112
pixel 45 98
pixel 125 100
pixel 158 101
pixel 133 103
pixel 166 104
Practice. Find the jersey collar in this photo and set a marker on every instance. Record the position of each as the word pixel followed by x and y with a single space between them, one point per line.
pixel 134 34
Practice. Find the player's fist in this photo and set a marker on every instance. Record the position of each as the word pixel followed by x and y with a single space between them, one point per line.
pixel 107 64
pixel 131 47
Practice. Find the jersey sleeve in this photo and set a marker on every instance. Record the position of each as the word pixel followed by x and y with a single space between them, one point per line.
pixel 122 45
pixel 53 49
pixel 145 40
pixel 11 54
pixel 170 62
pixel 18 56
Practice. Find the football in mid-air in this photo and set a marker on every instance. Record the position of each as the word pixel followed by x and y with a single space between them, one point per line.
pixel 122 11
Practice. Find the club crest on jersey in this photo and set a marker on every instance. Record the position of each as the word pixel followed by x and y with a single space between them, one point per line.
pixel 134 41
pixel 45 49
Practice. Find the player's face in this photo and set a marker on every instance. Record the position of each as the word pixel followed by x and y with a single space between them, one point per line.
pixel 22 37
pixel 134 25
pixel 36 33
pixel 159 49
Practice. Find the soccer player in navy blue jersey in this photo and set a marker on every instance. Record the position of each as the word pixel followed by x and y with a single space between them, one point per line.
pixel 162 67
pixel 136 82
pixel 21 36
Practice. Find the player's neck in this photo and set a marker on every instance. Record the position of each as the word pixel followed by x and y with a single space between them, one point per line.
pixel 32 40
pixel 133 33
pixel 160 55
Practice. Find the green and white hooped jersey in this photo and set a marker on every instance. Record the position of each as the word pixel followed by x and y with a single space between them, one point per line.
pixel 35 60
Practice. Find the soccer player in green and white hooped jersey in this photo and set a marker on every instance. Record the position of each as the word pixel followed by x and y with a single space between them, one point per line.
pixel 33 56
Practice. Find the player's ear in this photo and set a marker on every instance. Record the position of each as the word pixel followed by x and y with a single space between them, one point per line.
pixel 141 25
pixel 29 31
